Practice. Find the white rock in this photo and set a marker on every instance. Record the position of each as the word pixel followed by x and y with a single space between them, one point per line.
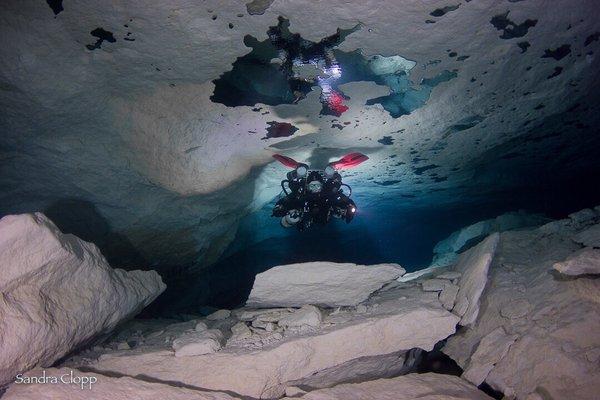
pixel 589 237
pixel 58 292
pixel 357 370
pixel 434 285
pixel 306 316
pixel 200 327
pixel 270 327
pixel 556 321
pixel 219 315
pixel 194 343
pixel 473 265
pixel 492 348
pixel 265 315
pixel 104 388
pixel 197 347
pixel 534 396
pixel 448 296
pixel 411 276
pixel 450 275
pixel 418 320
pixel 320 283
pixel 447 251
pixel 240 332
pixel 514 309
pixel 584 261
pixel 408 387
pixel 123 346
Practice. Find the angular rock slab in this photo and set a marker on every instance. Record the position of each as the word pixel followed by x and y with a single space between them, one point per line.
pixel 474 265
pixel 582 262
pixel 105 388
pixel 589 237
pixel 58 292
pixel 408 387
pixel 320 283
pixel 448 296
pixel 492 348
pixel 357 370
pixel 396 325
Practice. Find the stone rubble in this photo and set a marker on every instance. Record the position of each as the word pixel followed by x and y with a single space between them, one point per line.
pixel 261 362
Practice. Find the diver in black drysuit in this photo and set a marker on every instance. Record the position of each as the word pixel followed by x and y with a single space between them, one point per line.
pixel 314 197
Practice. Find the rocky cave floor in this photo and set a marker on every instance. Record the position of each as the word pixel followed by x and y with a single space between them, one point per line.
pixel 516 316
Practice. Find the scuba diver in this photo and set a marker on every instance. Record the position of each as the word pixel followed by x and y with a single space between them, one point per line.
pixel 315 196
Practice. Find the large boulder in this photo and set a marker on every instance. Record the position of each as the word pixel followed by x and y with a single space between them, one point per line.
pixel 537 334
pixel 408 387
pixel 58 292
pixel 397 320
pixel 320 283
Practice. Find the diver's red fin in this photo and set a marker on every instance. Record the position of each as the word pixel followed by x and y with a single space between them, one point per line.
pixel 287 161
pixel 349 161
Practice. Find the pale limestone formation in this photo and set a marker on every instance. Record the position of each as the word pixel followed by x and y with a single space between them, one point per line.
pixel 398 320
pixel 320 283
pixel 473 265
pixel 103 388
pixel 492 348
pixel 532 338
pixel 58 292
pixel 584 261
pixel 408 387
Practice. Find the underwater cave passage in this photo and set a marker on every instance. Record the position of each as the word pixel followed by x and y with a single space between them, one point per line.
pixel 279 129
pixel 102 35
pixel 284 68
